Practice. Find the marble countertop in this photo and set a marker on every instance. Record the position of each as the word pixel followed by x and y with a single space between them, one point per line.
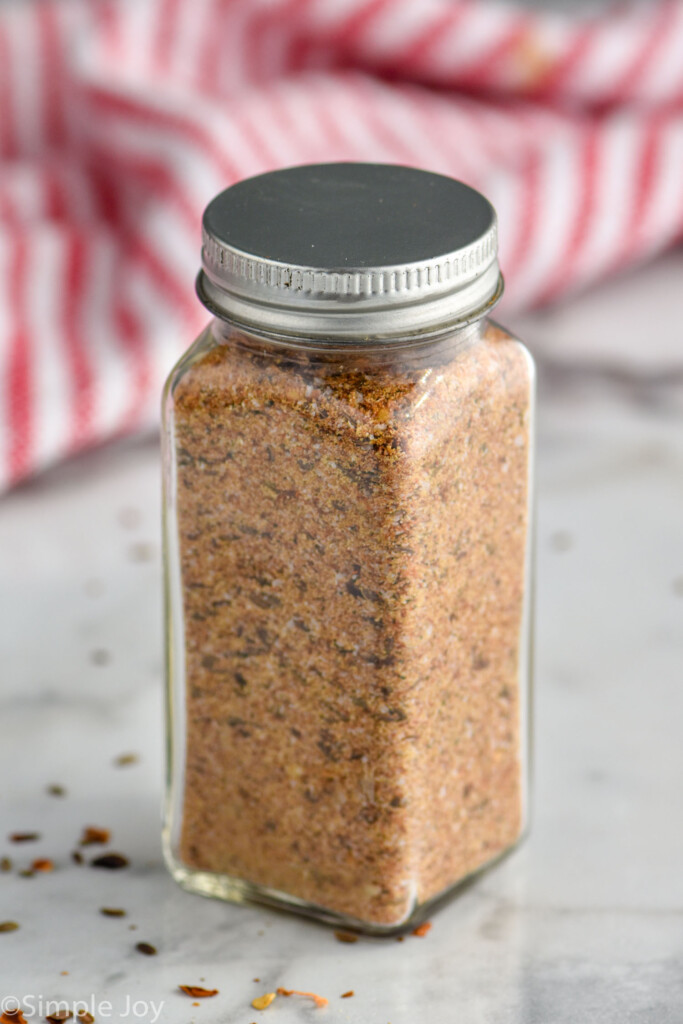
pixel 584 923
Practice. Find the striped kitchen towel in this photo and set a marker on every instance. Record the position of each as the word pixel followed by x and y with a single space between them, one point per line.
pixel 119 119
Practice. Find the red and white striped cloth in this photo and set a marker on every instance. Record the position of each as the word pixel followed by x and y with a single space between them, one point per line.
pixel 119 119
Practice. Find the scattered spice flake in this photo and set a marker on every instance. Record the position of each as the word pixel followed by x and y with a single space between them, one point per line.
pixel 345 937
pixel 319 1001
pixel 5 864
pixel 401 938
pixel 112 861
pixel 77 857
pixel 60 1015
pixel 123 760
pixel 55 790
pixel 42 864
pixel 85 1017
pixel 132 927
pixel 92 835
pixel 27 873
pixel 197 992
pixel 263 1002
pixel 113 911
pixel 24 837
pixel 422 930
pixel 13 1017
pixel 8 926
pixel 256 979
pixel 146 948
pixel 347 995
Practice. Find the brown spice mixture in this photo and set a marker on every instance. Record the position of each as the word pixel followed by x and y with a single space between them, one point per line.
pixel 352 551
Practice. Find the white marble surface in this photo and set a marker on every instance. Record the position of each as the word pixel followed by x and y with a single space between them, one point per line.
pixel 583 924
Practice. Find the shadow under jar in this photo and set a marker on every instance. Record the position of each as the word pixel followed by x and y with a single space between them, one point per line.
pixel 347 468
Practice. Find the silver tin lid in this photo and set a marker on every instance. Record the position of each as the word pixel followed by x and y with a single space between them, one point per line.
pixel 349 251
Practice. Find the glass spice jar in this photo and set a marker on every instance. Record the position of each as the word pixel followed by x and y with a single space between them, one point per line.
pixel 347 468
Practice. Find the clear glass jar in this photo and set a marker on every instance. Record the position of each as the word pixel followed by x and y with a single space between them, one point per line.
pixel 347 530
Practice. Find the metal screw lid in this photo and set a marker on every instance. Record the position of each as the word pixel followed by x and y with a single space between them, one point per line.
pixel 349 251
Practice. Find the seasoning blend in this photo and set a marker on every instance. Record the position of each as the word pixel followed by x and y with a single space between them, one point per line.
pixel 347 465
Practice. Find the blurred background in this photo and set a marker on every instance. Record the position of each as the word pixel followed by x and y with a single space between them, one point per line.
pixel 119 120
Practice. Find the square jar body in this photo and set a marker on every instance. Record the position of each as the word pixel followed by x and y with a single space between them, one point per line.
pixel 348 610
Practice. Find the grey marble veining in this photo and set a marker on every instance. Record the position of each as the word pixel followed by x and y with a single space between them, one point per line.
pixel 584 923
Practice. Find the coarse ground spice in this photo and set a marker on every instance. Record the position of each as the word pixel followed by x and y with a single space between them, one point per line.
pixel 352 544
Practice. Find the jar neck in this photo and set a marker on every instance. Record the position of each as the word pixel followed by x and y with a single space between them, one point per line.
pixel 414 348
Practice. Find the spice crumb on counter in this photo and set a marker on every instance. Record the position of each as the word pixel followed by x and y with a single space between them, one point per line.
pixel 197 992
pixel 24 837
pixel 320 1001
pixel 264 1001
pixel 42 864
pixel 13 1016
pixel 147 948
pixel 93 835
pixel 124 760
pixel 111 861
pixel 422 929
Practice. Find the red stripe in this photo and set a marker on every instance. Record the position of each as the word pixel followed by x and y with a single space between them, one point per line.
pixel 132 341
pixel 565 273
pixel 415 58
pixel 182 126
pixel 7 130
pixel 446 131
pixel 211 51
pixel 156 176
pixel 483 71
pixel 174 290
pixel 265 156
pixel 627 85
pixel 527 220
pixel 75 344
pixel 166 30
pixel 19 375
pixel 289 21
pixel 350 32
pixel 554 79
pixel 645 177
pixel 51 72
pixel 368 110
pixel 57 207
